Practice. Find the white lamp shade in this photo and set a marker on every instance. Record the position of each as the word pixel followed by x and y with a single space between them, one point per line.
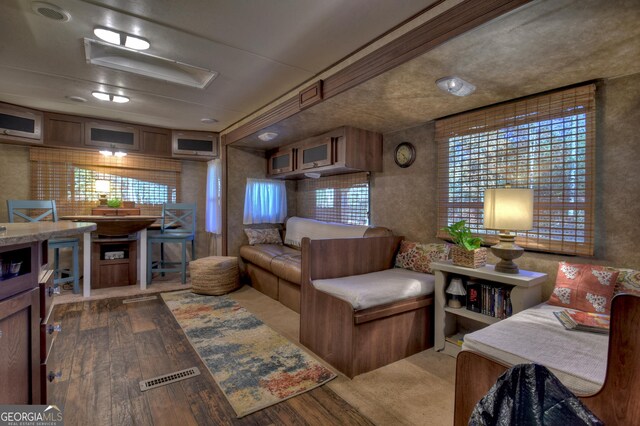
pixel 103 186
pixel 456 288
pixel 508 209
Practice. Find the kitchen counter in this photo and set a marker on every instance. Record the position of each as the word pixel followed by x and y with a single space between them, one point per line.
pixel 19 233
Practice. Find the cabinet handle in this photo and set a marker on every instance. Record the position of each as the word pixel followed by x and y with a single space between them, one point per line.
pixel 52 328
pixel 52 376
pixel 53 290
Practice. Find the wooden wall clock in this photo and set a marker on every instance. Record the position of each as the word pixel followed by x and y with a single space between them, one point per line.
pixel 405 154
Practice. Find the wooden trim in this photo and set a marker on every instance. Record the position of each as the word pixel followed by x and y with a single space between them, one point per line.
pixel 223 198
pixel 460 18
pixel 615 404
pixel 377 312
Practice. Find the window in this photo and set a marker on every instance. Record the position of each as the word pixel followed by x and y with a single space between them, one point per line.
pixel 340 198
pixel 265 201
pixel 69 176
pixel 546 143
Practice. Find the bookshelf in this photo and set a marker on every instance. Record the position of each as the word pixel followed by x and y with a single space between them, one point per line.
pixel 451 323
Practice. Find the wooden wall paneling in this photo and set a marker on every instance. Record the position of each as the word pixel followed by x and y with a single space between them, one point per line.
pixel 458 19
pixel 310 95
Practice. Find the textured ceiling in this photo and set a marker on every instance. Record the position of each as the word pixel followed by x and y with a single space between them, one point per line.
pixel 261 50
pixel 542 46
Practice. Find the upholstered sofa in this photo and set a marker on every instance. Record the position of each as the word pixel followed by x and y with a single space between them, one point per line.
pixel 275 269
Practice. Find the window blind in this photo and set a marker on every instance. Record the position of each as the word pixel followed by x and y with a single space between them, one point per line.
pixel 339 198
pixel 68 177
pixel 546 143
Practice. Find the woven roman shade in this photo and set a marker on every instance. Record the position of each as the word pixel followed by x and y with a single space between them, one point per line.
pixel 546 143
pixel 339 198
pixel 68 177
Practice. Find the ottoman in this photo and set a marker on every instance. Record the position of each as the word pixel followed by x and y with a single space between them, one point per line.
pixel 214 275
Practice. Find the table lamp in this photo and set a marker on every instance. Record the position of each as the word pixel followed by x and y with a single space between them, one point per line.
pixel 456 291
pixel 508 209
pixel 102 188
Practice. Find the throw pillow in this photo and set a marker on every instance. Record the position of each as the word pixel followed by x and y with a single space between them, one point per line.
pixel 628 281
pixel 587 288
pixel 418 257
pixel 263 236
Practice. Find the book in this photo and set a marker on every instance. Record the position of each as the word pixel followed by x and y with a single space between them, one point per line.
pixel 584 321
pixel 473 296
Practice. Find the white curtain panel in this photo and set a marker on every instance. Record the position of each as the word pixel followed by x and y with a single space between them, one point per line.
pixel 265 201
pixel 213 222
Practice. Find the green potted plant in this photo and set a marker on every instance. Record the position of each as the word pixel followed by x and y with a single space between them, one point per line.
pixel 114 202
pixel 467 250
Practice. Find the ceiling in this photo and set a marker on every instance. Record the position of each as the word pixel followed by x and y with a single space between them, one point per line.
pixel 541 46
pixel 261 50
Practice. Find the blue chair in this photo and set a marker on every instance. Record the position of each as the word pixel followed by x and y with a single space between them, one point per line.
pixel 24 209
pixel 178 226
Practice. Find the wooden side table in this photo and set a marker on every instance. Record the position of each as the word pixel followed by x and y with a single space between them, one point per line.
pixel 525 293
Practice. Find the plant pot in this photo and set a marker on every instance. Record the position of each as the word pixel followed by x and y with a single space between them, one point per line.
pixel 469 258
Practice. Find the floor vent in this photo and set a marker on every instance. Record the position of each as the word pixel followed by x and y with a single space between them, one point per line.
pixel 140 299
pixel 169 378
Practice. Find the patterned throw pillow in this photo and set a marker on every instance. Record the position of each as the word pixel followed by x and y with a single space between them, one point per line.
pixel 263 236
pixel 418 257
pixel 628 281
pixel 587 288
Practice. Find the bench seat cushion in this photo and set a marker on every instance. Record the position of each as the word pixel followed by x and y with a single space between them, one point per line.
pixel 262 254
pixel 378 288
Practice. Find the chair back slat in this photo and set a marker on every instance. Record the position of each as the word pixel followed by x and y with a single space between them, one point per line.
pixel 23 209
pixel 179 218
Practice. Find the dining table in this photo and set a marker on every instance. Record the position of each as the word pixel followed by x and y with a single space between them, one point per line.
pixel 114 226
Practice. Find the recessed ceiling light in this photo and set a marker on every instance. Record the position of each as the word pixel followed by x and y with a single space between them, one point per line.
pixel 50 11
pixel 110 97
pixel 208 120
pixel 121 39
pixel 267 136
pixel 76 98
pixel 456 86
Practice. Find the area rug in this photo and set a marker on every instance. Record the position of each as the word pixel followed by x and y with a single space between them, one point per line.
pixel 254 366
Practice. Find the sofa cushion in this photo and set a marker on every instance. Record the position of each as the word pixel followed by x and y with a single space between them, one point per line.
pixel 288 267
pixel 263 236
pixel 628 281
pixel 587 288
pixel 378 288
pixel 262 254
pixel 418 257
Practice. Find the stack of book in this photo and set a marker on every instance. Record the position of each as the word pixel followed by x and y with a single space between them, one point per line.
pixel 489 299
pixel 584 321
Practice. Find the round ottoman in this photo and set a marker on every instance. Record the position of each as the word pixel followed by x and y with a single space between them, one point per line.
pixel 214 275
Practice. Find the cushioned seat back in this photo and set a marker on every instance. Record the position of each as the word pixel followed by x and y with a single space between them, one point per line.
pixel 298 228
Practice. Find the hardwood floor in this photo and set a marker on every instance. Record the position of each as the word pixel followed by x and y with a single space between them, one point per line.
pixel 106 348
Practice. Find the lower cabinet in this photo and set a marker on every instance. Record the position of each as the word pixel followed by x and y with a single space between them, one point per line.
pixel 20 349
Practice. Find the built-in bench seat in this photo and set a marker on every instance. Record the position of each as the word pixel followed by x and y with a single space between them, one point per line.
pixel 357 312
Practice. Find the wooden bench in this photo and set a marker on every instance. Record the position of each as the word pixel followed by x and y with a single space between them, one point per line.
pixel 357 341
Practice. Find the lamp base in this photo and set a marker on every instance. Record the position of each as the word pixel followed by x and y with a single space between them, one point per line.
pixel 507 250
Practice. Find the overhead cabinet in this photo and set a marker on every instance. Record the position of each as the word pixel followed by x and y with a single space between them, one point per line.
pixel 343 150
pixel 20 124
pixel 112 135
pixel 194 145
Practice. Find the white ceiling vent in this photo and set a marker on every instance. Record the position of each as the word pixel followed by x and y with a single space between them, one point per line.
pixel 50 11
pixel 133 61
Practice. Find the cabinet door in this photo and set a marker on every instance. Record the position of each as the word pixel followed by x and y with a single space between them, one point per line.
pixel 112 135
pixel 316 153
pixel 282 162
pixel 20 348
pixel 156 142
pixel 195 145
pixel 20 124
pixel 63 130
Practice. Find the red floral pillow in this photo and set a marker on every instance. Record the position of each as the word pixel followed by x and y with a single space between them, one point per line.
pixel 418 257
pixel 587 288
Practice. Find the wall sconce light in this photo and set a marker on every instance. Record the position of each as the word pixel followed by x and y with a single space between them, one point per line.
pixel 111 153
pixel 456 86
pixel 508 209
pixel 103 187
